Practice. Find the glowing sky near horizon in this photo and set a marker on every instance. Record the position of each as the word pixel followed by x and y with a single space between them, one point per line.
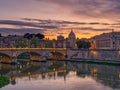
pixel 53 17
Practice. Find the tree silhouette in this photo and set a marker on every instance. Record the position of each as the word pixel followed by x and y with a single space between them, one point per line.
pixel 28 36
pixel 32 37
pixel 21 42
pixel 0 35
pixel 82 44
pixel 39 36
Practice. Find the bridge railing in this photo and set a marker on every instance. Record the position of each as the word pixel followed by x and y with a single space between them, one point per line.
pixel 5 49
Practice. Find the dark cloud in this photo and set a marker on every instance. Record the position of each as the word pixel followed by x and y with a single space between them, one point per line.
pixel 88 28
pixel 68 22
pixel 49 21
pixel 62 22
pixel 29 24
pixel 95 29
pixel 94 23
pixel 105 24
pixel 30 19
pixel 18 23
pixel 48 26
pixel 19 31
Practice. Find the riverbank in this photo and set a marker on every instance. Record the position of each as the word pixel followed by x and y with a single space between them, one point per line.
pixel 96 61
pixel 110 62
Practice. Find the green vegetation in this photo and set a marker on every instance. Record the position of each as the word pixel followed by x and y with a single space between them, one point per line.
pixel 24 56
pixel 34 42
pixel 4 81
pixel 82 44
pixel 49 44
pixel 21 42
pixel 33 39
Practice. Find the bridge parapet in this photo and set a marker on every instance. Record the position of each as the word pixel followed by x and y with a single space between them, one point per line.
pixel 19 49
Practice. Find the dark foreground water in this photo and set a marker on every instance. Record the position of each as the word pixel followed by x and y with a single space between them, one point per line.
pixel 61 75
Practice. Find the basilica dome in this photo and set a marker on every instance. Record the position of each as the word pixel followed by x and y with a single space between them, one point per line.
pixel 71 35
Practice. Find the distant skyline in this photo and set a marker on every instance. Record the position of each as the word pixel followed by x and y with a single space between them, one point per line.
pixel 54 17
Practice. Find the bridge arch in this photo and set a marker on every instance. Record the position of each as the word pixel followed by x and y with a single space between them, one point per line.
pixel 57 55
pixel 29 56
pixel 5 58
pixel 35 56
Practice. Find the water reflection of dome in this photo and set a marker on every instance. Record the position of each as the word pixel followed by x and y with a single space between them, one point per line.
pixel 13 81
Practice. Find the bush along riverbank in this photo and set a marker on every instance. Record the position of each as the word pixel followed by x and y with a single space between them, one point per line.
pixel 4 81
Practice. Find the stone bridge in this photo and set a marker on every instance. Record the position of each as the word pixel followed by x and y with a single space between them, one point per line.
pixel 12 54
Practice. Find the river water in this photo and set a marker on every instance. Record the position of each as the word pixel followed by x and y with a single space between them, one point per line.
pixel 61 75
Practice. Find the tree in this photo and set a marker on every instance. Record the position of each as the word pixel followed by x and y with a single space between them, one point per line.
pixel 28 36
pixel 82 44
pixel 0 35
pixel 32 37
pixel 4 81
pixel 34 42
pixel 39 36
pixel 49 44
pixel 21 42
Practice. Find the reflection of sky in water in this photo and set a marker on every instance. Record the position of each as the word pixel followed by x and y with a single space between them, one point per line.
pixel 79 76
pixel 72 83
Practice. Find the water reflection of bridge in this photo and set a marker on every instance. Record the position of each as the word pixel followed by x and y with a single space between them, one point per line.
pixel 40 74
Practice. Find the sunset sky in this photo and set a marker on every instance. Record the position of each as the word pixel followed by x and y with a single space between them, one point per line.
pixel 54 17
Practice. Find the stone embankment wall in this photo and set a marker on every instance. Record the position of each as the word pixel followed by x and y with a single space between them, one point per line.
pixel 96 54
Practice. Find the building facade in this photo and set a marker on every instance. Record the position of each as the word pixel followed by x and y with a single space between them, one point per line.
pixel 8 41
pixel 106 41
pixel 60 42
pixel 12 41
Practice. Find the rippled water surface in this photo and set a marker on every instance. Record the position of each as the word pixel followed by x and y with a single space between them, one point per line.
pixel 59 75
